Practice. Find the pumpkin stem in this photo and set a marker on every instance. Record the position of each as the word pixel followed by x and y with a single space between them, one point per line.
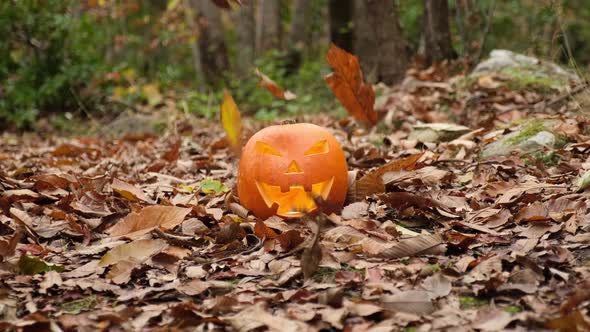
pixel 288 121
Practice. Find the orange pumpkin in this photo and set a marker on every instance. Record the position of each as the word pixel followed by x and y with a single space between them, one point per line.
pixel 284 167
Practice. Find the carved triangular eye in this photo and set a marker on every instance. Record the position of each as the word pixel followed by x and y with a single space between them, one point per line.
pixel 264 148
pixel 319 147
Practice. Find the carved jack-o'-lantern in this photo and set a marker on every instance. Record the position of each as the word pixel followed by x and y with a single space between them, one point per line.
pixel 284 167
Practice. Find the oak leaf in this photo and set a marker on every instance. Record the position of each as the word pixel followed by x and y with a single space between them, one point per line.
pixel 136 224
pixel 348 85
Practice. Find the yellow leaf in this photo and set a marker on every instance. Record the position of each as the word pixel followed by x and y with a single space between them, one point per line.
pixel 129 74
pixel 119 92
pixel 232 124
pixel 152 94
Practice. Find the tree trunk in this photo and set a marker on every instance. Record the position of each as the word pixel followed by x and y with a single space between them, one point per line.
pixel 437 34
pixel 379 42
pixel 340 21
pixel 246 30
pixel 298 34
pixel 213 52
pixel 268 32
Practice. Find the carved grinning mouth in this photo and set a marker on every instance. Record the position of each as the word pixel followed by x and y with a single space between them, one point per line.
pixel 295 202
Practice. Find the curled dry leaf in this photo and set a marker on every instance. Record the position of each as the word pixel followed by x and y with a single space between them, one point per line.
pixel 423 244
pixel 372 182
pixel 136 224
pixel 130 191
pixel 263 232
pixel 348 85
pixel 273 87
pixel 231 121
pixel 290 239
pixel 7 247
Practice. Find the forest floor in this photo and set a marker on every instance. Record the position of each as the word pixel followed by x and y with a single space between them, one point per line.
pixel 144 232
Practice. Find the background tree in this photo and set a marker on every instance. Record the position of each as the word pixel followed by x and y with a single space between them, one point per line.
pixel 246 33
pixel 437 33
pixel 340 12
pixel 211 41
pixel 268 26
pixel 379 42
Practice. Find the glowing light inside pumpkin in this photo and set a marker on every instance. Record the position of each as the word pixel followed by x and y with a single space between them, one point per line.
pixel 295 202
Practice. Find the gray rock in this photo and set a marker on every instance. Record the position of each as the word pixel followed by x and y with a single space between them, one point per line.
pixel 514 64
pixel 507 144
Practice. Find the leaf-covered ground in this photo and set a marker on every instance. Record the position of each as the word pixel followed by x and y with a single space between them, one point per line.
pixel 145 232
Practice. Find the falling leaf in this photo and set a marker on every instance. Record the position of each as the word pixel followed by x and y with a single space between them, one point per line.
pixel 33 265
pixel 210 186
pixel 312 254
pixel 232 124
pixel 138 250
pixel 273 88
pixel 423 244
pixel 136 224
pixel 348 85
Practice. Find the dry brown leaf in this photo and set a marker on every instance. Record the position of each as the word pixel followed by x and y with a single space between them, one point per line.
pixel 438 285
pixel 263 232
pixel 130 191
pixel 136 224
pixel 138 250
pixel 411 301
pixel 7 247
pixel 423 244
pixel 273 87
pixel 372 182
pixel 290 239
pixel 348 85
pixel 312 254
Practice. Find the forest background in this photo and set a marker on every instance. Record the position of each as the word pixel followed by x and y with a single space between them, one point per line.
pixel 90 60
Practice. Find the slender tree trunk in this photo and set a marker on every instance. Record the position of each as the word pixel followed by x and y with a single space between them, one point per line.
pixel 379 42
pixel 340 23
pixel 211 41
pixel 298 33
pixel 268 32
pixel 437 33
pixel 246 29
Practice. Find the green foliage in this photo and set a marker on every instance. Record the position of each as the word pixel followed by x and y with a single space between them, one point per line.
pixel 77 306
pixel 469 302
pixel 32 265
pixel 46 58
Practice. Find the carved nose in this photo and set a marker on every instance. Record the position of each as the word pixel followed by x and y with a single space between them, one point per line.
pixel 293 168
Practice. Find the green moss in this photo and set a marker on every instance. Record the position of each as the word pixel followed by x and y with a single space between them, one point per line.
pixel 513 309
pixel 468 302
pixel 77 306
pixel 530 130
pixel 533 78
